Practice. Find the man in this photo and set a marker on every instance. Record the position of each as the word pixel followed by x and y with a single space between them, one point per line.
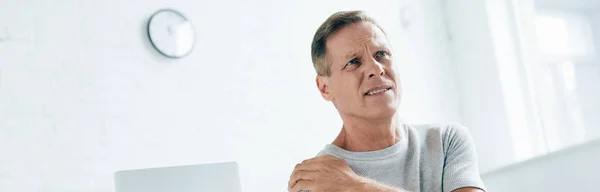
pixel 374 151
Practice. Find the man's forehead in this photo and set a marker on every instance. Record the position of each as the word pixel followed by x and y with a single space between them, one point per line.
pixel 352 38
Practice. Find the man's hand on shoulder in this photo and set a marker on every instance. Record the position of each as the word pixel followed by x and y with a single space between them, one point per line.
pixel 328 173
pixel 323 173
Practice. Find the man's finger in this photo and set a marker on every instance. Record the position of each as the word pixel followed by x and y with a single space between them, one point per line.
pixel 328 156
pixel 308 166
pixel 303 185
pixel 298 175
pixel 319 158
pixel 311 160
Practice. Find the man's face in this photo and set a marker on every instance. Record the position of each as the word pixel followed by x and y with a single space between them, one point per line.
pixel 363 80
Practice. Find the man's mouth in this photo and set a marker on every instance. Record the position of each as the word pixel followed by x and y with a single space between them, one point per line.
pixel 377 91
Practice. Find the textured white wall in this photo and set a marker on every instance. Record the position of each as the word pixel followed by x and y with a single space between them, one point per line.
pixel 83 94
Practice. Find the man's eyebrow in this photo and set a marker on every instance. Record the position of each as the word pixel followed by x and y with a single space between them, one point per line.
pixel 382 45
pixel 350 55
pixel 378 46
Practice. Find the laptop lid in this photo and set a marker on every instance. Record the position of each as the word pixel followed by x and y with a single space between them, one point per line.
pixel 222 177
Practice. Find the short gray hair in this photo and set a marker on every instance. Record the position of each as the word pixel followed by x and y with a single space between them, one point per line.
pixel 333 24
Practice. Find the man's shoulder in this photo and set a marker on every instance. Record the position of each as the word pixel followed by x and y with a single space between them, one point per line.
pixel 440 128
pixel 424 136
pixel 438 133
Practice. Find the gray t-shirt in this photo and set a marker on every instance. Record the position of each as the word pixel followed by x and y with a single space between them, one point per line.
pixel 428 158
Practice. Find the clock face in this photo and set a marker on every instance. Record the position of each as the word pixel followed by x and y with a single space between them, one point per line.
pixel 171 33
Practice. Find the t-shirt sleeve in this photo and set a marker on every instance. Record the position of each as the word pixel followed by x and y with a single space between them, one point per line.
pixel 460 162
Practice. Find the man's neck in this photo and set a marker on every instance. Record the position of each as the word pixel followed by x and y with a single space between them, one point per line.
pixel 362 135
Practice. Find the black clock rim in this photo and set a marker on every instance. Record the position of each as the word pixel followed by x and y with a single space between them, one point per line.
pixel 152 42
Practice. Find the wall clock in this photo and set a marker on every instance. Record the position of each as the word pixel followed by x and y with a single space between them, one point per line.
pixel 171 33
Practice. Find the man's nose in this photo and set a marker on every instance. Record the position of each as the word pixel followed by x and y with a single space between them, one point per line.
pixel 375 68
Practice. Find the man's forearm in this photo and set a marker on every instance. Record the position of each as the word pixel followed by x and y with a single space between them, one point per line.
pixel 373 186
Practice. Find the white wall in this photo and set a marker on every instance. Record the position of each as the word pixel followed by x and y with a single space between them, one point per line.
pixel 493 48
pixel 83 94
pixel 589 76
pixel 588 5
pixel 479 90
pixel 595 19
pixel 574 169
pixel 568 102
pixel 423 51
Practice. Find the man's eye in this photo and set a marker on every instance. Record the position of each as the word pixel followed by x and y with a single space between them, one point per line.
pixel 353 62
pixel 381 54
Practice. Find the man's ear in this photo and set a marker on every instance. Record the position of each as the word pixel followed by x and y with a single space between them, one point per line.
pixel 323 85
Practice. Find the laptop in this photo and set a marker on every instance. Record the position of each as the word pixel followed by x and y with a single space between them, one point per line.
pixel 221 177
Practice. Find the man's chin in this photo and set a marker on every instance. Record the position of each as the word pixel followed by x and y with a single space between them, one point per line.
pixel 381 112
pixel 377 110
pixel 388 104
